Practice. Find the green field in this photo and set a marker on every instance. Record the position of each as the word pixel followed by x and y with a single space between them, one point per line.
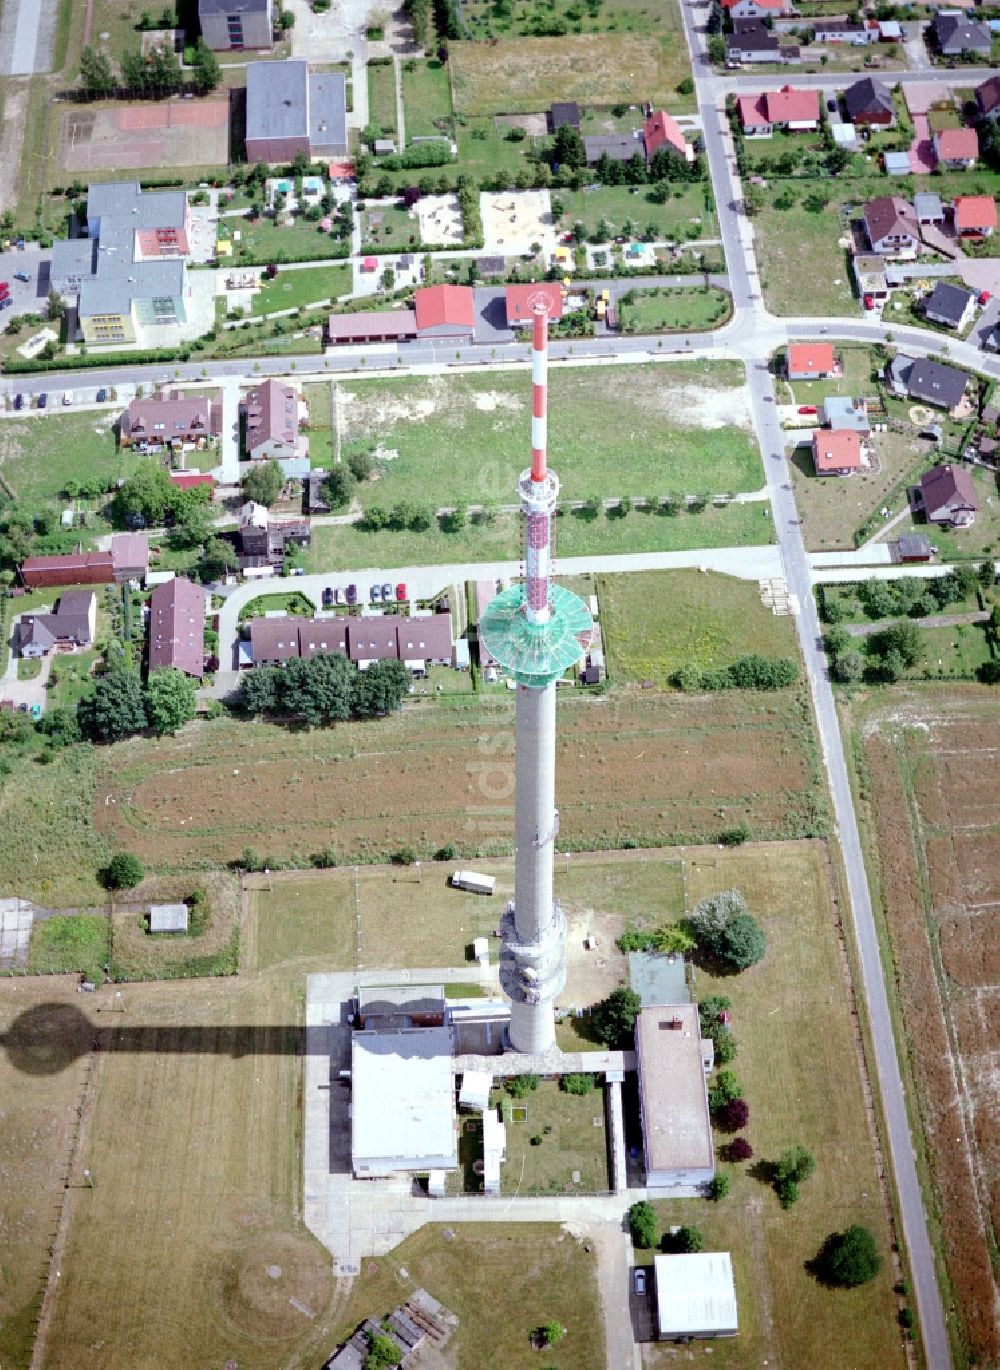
pixel 658 621
pixel 426 98
pixel 293 289
pixel 70 943
pixel 612 430
pixel 382 99
pixel 268 241
pixel 570 1143
pixel 629 210
pixel 345 547
pixel 802 268
pixel 39 455
pixel 686 309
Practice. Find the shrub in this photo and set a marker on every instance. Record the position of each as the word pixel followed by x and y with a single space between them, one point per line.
pixel 739 1149
pixel 643 1225
pixel 720 1185
pixel 520 1086
pixel 683 1241
pixel 404 856
pixel 123 872
pixel 574 1083
pixel 724 1090
pixel 848 1258
pixel 732 1115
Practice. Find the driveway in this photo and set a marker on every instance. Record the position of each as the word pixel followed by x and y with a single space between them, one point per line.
pixel 26 692
pixel 923 159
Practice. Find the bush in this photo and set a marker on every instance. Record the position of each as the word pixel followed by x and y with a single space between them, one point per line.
pixel 573 1083
pixel 792 1168
pixel 725 1088
pixel 520 1086
pixel 720 1185
pixel 643 1225
pixel 732 1115
pixel 404 856
pixel 848 1258
pixel 684 1241
pixel 123 872
pixel 739 1149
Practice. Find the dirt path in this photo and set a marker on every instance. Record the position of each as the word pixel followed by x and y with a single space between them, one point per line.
pixel 931 621
pixel 15 107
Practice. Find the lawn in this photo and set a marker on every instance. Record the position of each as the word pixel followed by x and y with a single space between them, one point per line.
pixel 666 311
pixel 570 1143
pixel 71 678
pixel 854 378
pixel 659 621
pixel 426 98
pixel 39 455
pixel 210 946
pixel 70 943
pixel 347 547
pixel 683 216
pixel 600 69
pixel 983 538
pixel 612 430
pixel 833 507
pixel 295 289
pixel 390 225
pixel 285 601
pixel 382 98
pixel 803 269
pixel 266 241
pixel 487 19
pixel 320 433
pixel 798 1061
pixel 956 652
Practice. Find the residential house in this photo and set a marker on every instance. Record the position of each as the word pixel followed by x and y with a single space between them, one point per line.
pixel 273 641
pixel 127 277
pixel 177 627
pixel 842 30
pixel 891 226
pixel 988 98
pixel 619 147
pixel 273 412
pixel 957 149
pixel 751 41
pixel 975 216
pixel 809 361
pixel 754 9
pixel 955 33
pixel 564 114
pixel 662 130
pixel 371 326
pixel 837 451
pixel 235 25
pixel 445 311
pixel 73 568
pixel 928 208
pixel 260 543
pixel 190 480
pixel 170 420
pixel 869 272
pixel 372 639
pixel 129 556
pixel 950 305
pixel 937 384
pixel 869 102
pixel 521 298
pixel 291 110
pixel 424 641
pixel 946 496
pixel 787 108
pixel 897 374
pixel 72 624
pixel 316 501
pixel 842 412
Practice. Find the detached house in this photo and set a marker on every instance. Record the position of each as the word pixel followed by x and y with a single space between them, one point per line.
pixel 869 102
pixel 891 226
pixel 787 108
pixel 754 9
pixel 837 451
pixel 946 496
pixel 937 384
pixel 662 130
pixel 975 216
pixel 957 149
pixel 988 98
pixel 177 627
pixel 950 305
pixel 272 415
pixel 955 33
pixel 72 625
pixel 169 421
pixel 809 361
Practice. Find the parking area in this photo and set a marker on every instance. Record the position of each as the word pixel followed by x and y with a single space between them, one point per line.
pixel 28 296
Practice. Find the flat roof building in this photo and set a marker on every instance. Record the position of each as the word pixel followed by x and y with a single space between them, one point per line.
pixel 676 1128
pixel 695 1295
pixel 168 917
pixel 403 1102
pixel 290 110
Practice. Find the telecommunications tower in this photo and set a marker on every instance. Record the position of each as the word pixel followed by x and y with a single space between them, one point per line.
pixel 536 631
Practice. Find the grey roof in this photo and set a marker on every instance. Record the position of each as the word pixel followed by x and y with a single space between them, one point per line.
pixel 900 369
pixel 620 147
pixel 140 208
pixel 928 205
pixel 233 6
pixel 168 917
pixel 868 96
pixel 327 109
pixel 948 302
pixel 958 33
pixel 938 384
pixel 752 40
pixel 118 282
pixel 73 257
pixel 565 112
pixel 34 631
pixel 278 99
pixel 914 545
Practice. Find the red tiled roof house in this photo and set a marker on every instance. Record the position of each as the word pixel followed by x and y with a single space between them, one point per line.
pixel 836 451
pixel 662 130
pixel 975 216
pixel 177 627
pixel 807 361
pixel 445 311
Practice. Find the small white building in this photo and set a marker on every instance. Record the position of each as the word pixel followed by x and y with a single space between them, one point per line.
pixel 695 1295
pixel 676 1127
pixel 475 1091
pixel 168 917
pixel 494 1150
pixel 402 1102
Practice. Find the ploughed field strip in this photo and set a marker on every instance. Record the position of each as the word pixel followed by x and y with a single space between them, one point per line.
pixel 629 766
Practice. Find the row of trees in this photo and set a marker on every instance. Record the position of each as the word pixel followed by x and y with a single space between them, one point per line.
pixel 121 705
pixel 325 689
pixel 751 672
pixel 150 75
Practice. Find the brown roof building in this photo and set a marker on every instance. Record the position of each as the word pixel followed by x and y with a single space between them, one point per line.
pixel 420 641
pixel 947 496
pixel 168 420
pixel 371 639
pixel 72 624
pixel 272 411
pixel 372 326
pixel 891 225
pixel 129 556
pixel 75 568
pixel 273 641
pixel 177 627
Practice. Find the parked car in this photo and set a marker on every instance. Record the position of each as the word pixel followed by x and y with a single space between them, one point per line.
pixel 831 104
pixel 36 712
pixel 375 594
pixel 327 597
pixel 401 591
pixel 5 301
pixel 984 297
pixel 807 409
pixel 352 594
pixel 640 1280
pixel 387 593
pixel 43 400
pixel 68 397
pixel 102 396
pixel 336 594
pixel 22 276
pixel 18 401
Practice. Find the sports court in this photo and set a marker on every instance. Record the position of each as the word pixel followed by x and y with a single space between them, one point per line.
pixel 173 134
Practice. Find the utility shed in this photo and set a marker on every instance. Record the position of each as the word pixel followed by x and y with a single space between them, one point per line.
pixel 695 1295
pixel 403 1102
pixel 676 1129
pixel 168 917
pixel 475 1091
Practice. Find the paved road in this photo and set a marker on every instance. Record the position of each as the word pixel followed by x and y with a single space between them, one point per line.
pixel 742 272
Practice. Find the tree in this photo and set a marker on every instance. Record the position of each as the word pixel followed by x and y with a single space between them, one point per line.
pixel 382 1353
pixel 792 1168
pixel 217 558
pixel 732 1115
pixel 123 872
pixel 848 667
pixel 380 689
pixel 576 1082
pixel 205 65
pixel 338 488
pixel 259 690
pixel 567 148
pixel 146 495
pixel 171 699
pixel 905 639
pixel 643 1225
pixel 96 74
pixel 849 1258
pixel 164 71
pixel 551 1332
pixel 56 305
pixel 60 726
pixel 727 932
pixel 614 1018
pixel 739 1149
pixel 682 1241
pixel 115 709
pixel 194 527
pixel 720 1185
pixel 716 48
pixel 320 690
pixel 744 943
pixel 263 482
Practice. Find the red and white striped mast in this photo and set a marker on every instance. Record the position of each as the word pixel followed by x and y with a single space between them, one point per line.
pixel 539 487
